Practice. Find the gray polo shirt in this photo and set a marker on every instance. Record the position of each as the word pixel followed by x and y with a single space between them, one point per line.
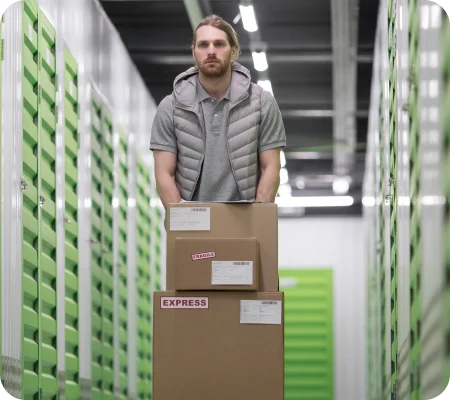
pixel 216 181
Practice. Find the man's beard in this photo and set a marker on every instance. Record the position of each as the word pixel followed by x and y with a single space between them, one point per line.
pixel 216 70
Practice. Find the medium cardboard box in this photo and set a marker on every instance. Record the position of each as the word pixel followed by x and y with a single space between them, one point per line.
pixel 226 220
pixel 218 346
pixel 216 264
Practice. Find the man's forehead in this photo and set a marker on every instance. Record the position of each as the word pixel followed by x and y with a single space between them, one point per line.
pixel 210 33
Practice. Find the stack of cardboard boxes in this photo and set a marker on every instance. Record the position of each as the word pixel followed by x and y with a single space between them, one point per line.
pixel 219 328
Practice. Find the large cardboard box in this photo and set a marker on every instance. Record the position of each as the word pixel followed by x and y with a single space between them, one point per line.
pixel 216 264
pixel 222 220
pixel 218 346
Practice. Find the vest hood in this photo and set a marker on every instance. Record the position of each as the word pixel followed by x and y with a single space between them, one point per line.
pixel 184 85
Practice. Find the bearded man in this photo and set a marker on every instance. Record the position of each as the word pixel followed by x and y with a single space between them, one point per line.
pixel 217 136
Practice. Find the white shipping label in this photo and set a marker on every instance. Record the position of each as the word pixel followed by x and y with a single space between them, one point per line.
pixel 184 302
pixel 261 312
pixel 232 273
pixel 190 219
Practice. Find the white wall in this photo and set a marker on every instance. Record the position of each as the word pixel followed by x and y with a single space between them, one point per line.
pixel 335 243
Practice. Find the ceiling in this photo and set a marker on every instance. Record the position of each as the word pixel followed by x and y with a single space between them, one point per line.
pixel 298 34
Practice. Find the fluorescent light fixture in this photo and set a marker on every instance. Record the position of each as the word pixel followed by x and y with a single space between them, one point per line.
pixel 260 60
pixel 266 85
pixel 321 201
pixel 368 201
pixel 248 18
pixel 341 185
pixel 284 176
pixel 282 159
pixel 285 190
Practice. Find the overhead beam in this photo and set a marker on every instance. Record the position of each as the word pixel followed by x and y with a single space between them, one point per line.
pixel 318 113
pixel 197 10
pixel 344 39
pixel 273 58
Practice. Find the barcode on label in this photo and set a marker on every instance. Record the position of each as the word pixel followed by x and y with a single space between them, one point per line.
pixel 268 302
pixel 241 263
pixel 198 209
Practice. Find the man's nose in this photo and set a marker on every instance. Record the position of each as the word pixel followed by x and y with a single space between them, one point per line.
pixel 211 49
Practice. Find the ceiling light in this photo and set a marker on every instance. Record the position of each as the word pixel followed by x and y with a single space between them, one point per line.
pixel 341 185
pixel 282 159
pixel 260 60
pixel 320 201
pixel 248 18
pixel 284 176
pixel 368 201
pixel 266 85
pixel 285 190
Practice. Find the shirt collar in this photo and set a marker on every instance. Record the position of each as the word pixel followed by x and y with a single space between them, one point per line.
pixel 202 95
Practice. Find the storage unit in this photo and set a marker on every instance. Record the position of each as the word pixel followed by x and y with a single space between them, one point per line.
pixel 406 190
pixel 309 361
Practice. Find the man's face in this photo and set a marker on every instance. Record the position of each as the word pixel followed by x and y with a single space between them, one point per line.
pixel 212 52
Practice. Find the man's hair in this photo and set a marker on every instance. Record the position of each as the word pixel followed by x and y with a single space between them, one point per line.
pixel 219 23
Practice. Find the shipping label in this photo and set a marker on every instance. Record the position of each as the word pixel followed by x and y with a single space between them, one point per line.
pixel 185 302
pixel 202 256
pixel 232 273
pixel 261 312
pixel 190 219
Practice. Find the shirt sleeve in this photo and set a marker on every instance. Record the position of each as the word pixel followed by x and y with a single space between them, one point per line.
pixel 272 133
pixel 163 133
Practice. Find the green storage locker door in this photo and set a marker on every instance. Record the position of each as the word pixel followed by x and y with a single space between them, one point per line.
pixel 445 176
pixel 415 230
pixel 123 266
pixel 72 383
pixel 308 333
pixel 393 198
pixel 107 259
pixel 96 249
pixel 47 198
pixel 30 246
pixel 144 300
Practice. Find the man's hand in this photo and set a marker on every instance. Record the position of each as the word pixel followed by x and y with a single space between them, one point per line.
pixel 269 182
pixel 165 166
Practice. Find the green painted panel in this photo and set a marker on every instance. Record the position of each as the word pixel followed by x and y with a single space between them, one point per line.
pixel 123 270
pixel 47 222
pixel 72 372
pixel 96 250
pixel 107 162
pixel 30 213
pixel 308 333
pixel 144 311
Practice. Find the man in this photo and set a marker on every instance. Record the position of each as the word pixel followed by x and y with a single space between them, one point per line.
pixel 218 136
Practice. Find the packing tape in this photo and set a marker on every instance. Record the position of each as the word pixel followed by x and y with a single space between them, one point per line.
pixel 12 376
pixel 62 385
pixel 85 389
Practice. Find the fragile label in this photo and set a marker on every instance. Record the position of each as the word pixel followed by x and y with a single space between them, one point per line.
pixel 190 219
pixel 261 312
pixel 184 302
pixel 232 273
pixel 202 256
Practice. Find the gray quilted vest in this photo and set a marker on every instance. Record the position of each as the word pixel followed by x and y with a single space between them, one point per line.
pixel 242 135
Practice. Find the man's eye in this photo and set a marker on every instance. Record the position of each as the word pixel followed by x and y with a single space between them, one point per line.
pixel 202 45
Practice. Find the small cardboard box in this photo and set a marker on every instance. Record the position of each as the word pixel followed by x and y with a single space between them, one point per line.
pixel 226 220
pixel 218 346
pixel 216 264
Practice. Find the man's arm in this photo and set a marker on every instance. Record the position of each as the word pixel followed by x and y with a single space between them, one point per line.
pixel 269 182
pixel 165 166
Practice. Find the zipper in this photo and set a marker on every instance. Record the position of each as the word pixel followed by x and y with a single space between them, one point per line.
pixel 228 146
